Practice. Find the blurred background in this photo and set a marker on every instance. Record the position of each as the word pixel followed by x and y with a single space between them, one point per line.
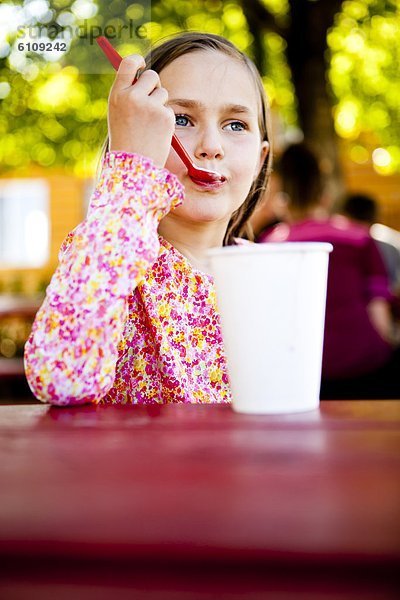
pixel 330 69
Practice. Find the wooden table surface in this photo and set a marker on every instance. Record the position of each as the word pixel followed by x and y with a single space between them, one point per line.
pixel 195 501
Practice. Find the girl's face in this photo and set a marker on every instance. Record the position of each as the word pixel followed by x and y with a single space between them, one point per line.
pixel 216 105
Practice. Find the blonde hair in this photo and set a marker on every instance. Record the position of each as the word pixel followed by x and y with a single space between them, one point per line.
pixel 164 54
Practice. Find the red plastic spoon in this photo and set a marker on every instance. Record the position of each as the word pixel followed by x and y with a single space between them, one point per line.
pixel 196 173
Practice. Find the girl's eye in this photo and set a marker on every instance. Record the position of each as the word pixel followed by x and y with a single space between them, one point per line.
pixel 181 120
pixel 184 121
pixel 237 126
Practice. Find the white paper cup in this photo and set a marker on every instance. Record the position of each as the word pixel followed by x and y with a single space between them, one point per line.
pixel 271 298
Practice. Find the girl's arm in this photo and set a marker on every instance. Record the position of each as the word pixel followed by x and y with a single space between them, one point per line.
pixel 71 353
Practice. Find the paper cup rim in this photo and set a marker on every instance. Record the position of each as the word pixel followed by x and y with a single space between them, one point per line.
pixel 271 247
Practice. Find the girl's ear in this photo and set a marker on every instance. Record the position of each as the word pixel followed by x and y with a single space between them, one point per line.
pixel 263 155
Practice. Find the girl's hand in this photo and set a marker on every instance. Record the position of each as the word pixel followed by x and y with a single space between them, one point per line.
pixel 138 120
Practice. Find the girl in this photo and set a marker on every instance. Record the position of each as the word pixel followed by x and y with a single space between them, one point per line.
pixel 130 314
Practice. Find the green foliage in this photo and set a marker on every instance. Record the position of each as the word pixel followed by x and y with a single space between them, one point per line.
pixel 277 80
pixel 279 8
pixel 54 112
pixel 365 77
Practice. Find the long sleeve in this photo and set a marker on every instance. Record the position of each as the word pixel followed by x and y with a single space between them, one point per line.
pixel 71 354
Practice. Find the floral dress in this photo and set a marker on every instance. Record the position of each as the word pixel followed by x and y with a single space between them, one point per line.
pixel 126 318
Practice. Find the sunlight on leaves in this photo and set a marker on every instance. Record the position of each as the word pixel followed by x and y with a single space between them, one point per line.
pixel 364 75
pixel 54 112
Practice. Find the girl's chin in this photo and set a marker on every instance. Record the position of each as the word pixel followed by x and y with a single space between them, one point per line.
pixel 200 215
pixel 206 207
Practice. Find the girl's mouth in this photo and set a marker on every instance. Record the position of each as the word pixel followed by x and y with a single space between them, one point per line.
pixel 209 186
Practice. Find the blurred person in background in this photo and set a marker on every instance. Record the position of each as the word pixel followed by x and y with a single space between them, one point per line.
pixel 363 209
pixel 359 357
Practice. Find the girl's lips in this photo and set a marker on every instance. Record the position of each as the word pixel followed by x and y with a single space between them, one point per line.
pixel 209 186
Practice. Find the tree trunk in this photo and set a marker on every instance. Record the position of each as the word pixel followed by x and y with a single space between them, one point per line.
pixel 306 55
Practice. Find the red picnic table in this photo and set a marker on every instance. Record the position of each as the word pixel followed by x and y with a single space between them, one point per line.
pixel 194 501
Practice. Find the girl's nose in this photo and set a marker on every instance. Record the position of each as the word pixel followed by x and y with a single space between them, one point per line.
pixel 209 144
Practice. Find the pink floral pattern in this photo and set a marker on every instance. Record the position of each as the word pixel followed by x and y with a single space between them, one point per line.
pixel 126 318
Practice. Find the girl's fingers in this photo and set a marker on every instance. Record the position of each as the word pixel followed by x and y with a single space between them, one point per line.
pixel 127 71
pixel 138 116
pixel 147 83
pixel 160 94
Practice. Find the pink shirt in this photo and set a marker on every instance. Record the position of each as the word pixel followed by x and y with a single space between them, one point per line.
pixel 352 346
pixel 126 318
